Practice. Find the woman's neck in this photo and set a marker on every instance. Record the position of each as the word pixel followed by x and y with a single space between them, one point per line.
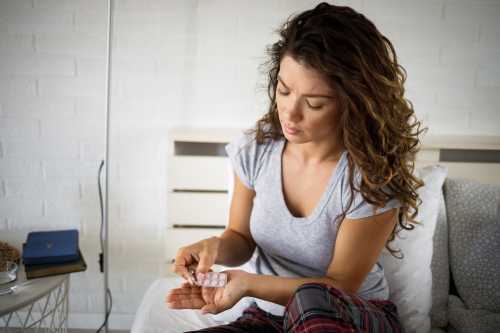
pixel 311 153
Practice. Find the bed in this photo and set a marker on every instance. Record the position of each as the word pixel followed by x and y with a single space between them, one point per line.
pixel 474 158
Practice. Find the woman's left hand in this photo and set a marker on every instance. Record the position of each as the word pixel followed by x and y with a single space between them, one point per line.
pixel 210 300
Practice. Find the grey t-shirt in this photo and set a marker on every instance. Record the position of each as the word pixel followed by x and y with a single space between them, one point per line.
pixel 297 246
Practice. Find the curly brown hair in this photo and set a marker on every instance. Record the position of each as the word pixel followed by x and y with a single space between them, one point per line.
pixel 378 126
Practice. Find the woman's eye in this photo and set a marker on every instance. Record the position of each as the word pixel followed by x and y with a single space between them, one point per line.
pixel 314 107
pixel 283 92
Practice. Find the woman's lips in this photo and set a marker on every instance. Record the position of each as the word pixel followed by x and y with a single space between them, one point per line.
pixel 291 131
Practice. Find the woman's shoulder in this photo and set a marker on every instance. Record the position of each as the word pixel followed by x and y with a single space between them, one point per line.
pixel 247 155
pixel 359 207
pixel 248 144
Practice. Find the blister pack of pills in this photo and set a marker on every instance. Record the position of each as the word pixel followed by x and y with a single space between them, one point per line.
pixel 211 279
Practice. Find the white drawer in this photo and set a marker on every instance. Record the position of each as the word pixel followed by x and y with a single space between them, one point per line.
pixel 199 173
pixel 190 208
pixel 486 173
pixel 178 237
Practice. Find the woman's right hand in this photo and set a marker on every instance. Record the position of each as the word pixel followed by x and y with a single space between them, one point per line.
pixel 205 251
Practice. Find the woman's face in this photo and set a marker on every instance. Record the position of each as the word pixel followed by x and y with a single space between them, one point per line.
pixel 307 106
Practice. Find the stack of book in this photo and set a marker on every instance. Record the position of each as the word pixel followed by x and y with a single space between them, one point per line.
pixel 47 253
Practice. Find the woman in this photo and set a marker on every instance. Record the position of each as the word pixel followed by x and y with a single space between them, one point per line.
pixel 322 184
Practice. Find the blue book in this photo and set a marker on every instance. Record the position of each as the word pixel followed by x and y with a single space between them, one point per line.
pixel 51 247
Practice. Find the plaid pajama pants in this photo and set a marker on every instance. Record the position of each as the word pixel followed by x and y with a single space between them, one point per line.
pixel 317 307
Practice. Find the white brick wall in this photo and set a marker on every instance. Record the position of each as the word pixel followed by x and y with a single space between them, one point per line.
pixel 191 63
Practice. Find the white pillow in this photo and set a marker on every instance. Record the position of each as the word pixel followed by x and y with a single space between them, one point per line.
pixel 410 278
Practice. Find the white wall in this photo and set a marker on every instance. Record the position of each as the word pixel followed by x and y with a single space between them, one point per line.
pixel 192 63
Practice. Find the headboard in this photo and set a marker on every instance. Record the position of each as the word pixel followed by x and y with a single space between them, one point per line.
pixel 195 153
pixel 470 157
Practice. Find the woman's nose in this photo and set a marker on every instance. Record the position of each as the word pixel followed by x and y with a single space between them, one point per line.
pixel 292 111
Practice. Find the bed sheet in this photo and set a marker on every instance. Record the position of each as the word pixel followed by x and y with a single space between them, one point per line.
pixel 153 315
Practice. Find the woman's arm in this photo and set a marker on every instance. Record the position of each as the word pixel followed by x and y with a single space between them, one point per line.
pixel 277 289
pixel 358 246
pixel 236 244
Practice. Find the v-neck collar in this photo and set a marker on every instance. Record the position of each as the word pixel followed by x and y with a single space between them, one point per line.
pixel 333 180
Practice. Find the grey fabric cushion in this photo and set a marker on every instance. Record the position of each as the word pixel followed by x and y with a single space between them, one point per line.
pixel 474 242
pixel 464 320
pixel 440 270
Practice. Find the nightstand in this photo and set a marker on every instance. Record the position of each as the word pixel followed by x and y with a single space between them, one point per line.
pixel 35 303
